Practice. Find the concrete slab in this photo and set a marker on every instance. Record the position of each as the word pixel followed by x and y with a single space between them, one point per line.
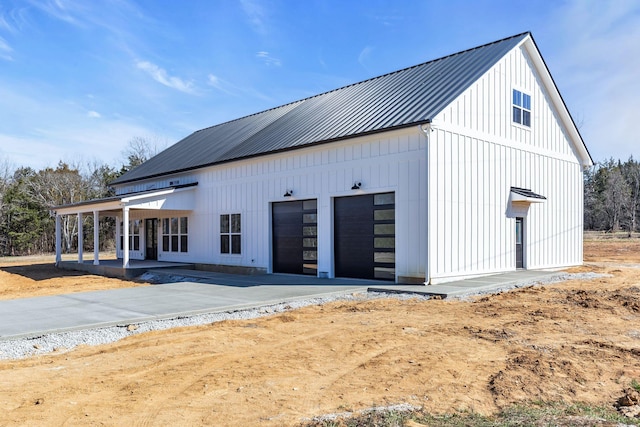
pixel 470 286
pixel 214 292
pixel 38 316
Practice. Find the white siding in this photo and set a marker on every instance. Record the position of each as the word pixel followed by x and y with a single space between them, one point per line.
pixel 394 161
pixel 485 108
pixel 474 156
pixel 477 154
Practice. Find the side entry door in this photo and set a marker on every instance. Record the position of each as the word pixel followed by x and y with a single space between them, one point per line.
pixel 519 243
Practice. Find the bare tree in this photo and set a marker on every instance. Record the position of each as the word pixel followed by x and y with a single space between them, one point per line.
pixel 631 171
pixel 617 197
pixel 140 149
pixel 6 175
pixel 61 186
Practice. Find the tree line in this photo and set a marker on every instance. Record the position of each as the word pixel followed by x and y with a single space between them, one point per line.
pixel 27 225
pixel 612 196
pixel 611 200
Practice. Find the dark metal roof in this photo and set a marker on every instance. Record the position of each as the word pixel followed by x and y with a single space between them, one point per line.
pixel 399 99
pixel 527 193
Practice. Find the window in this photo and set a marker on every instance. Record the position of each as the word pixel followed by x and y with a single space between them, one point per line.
pixel 134 235
pixel 134 238
pixel 521 108
pixel 175 234
pixel 230 236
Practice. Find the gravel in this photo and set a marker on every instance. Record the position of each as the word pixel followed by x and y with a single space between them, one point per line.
pixel 65 341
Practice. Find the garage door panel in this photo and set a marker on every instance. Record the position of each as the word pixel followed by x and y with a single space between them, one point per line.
pixel 364 236
pixel 295 238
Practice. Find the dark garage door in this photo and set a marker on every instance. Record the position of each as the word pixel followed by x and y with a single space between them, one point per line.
pixel 364 236
pixel 295 237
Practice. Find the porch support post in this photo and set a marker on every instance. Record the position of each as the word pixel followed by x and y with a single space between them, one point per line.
pixel 125 237
pixel 96 238
pixel 80 239
pixel 118 233
pixel 58 241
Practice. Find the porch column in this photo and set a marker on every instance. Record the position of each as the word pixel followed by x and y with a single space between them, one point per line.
pixel 118 232
pixel 96 238
pixel 80 239
pixel 58 241
pixel 125 237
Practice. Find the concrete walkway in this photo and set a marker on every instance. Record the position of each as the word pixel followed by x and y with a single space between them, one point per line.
pixel 213 292
pixel 480 285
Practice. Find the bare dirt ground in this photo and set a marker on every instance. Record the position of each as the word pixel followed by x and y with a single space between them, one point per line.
pixel 35 276
pixel 577 341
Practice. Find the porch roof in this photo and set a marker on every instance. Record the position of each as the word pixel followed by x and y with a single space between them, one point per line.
pixel 180 198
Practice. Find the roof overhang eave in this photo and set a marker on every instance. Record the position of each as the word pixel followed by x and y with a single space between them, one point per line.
pixel 88 207
pixel 117 203
pixel 283 150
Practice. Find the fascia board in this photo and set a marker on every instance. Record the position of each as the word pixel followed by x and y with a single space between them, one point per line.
pixel 142 199
pixel 89 208
pixel 520 198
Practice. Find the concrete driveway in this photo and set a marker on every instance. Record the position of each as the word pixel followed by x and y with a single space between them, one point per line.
pixel 207 293
pixel 29 317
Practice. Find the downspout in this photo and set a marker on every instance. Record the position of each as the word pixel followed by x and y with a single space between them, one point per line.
pixel 426 130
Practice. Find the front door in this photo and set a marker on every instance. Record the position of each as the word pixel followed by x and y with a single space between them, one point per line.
pixel 519 243
pixel 151 238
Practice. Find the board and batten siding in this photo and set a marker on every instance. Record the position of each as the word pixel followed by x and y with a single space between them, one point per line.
pixel 393 161
pixel 477 154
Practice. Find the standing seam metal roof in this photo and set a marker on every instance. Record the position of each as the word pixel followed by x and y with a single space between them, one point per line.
pixel 398 99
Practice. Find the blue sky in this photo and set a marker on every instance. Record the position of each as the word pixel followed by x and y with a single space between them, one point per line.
pixel 80 78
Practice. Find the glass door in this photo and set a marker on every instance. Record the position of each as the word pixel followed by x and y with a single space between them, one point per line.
pixel 151 238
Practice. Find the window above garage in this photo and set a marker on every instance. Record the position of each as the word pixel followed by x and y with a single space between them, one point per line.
pixel 521 108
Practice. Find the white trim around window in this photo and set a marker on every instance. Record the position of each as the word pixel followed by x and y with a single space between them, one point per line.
pixel 521 108
pixel 231 234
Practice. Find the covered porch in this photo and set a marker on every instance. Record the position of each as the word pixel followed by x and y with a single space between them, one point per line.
pixel 141 205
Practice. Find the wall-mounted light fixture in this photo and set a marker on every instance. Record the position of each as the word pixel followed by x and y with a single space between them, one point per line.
pixel 288 193
pixel 356 185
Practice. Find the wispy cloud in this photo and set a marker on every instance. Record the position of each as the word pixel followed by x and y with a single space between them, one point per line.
pixel 389 20
pixel 122 19
pixel 363 57
pixel 268 60
pixel 62 10
pixel 235 90
pixel 93 114
pixel 4 24
pixel 220 84
pixel 5 50
pixel 161 76
pixel 256 14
